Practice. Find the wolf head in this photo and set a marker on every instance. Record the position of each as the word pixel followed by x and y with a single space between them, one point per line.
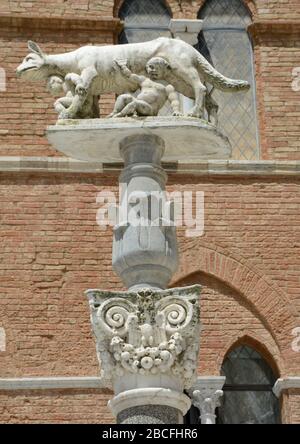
pixel 34 66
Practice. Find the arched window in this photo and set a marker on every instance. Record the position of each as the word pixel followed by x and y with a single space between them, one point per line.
pixel 224 41
pixel 144 20
pixel 248 396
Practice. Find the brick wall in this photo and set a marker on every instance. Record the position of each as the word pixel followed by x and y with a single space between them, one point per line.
pixel 294 402
pixel 55 407
pixel 53 250
pixel 277 54
pixel 265 9
pixel 60 8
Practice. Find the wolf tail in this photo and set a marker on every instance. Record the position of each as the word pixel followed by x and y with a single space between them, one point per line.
pixel 217 79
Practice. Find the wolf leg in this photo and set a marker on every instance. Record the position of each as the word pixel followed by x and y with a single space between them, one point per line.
pixel 86 78
pixel 190 76
pixel 199 92
pixel 212 108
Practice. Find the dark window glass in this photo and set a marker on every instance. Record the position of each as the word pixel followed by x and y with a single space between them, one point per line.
pixel 248 396
pixel 224 41
pixel 144 20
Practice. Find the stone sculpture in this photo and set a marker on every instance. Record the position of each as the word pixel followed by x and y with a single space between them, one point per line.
pixel 153 95
pixel 147 333
pixel 56 85
pixel 187 71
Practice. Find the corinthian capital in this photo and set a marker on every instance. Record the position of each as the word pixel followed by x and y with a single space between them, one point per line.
pixel 147 333
pixel 206 395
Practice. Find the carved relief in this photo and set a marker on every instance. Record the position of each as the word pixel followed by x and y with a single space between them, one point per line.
pixel 148 333
pixel 91 71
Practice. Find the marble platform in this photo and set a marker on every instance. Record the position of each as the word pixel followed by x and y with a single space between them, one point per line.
pixel 186 138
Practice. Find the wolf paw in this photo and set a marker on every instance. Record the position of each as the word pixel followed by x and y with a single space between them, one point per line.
pixel 196 113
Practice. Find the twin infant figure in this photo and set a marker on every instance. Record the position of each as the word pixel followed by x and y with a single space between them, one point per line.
pixel 150 99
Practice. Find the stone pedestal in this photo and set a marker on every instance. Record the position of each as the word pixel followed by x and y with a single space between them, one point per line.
pixel 186 139
pixel 144 246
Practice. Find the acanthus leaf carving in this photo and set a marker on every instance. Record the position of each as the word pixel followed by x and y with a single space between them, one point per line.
pixel 147 332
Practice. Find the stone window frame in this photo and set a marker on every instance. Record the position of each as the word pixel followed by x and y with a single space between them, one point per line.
pixel 268 359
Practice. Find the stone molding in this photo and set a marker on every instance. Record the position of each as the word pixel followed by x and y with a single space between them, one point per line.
pixel 205 141
pixel 65 23
pixel 85 382
pixel 51 383
pixel 265 30
pixel 23 164
pixel 209 383
pixel 149 396
pixel 186 30
pixel 290 382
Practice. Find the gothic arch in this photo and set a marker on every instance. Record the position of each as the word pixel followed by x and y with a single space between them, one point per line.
pixel 177 9
pixel 250 5
pixel 118 4
pixel 252 339
pixel 265 297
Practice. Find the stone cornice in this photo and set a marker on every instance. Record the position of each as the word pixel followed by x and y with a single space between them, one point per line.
pixel 65 23
pixel 263 168
pixel 51 383
pixel 84 382
pixel 266 30
pixel 290 382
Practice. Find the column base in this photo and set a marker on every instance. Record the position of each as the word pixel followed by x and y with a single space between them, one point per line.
pixel 150 406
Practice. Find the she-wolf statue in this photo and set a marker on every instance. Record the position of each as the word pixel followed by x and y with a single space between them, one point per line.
pixel 188 70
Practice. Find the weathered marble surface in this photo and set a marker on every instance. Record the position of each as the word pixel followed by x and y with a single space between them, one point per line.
pixel 145 252
pixel 149 414
pixel 147 338
pixel 186 139
pixel 151 95
pixel 92 71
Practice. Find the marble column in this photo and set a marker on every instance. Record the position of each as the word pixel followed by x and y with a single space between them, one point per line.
pixel 206 395
pixel 144 245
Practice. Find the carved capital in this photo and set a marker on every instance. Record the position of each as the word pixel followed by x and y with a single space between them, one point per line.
pixel 147 333
pixel 206 395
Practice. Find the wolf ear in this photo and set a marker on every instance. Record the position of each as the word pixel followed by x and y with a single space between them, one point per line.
pixel 35 48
